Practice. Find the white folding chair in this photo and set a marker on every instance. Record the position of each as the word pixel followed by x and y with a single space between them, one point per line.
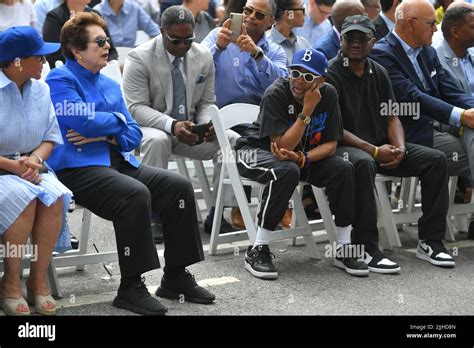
pixel 112 70
pixel 222 120
pixel 122 54
pixel 142 37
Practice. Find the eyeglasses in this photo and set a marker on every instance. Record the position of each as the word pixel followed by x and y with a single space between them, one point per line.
pixel 100 41
pixel 258 14
pixel 175 41
pixel 363 40
pixel 308 77
pixel 324 13
pixel 430 23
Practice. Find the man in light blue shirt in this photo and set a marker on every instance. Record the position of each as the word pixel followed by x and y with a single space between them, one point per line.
pixel 42 7
pixel 245 68
pixel 289 15
pixel 124 18
pixel 316 23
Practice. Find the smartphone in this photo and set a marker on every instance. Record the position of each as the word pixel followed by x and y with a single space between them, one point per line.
pixel 237 19
pixel 200 130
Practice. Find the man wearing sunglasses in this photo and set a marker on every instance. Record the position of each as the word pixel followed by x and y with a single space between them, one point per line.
pixel 419 79
pixel 374 142
pixel 168 85
pixel 295 137
pixel 316 22
pixel 246 67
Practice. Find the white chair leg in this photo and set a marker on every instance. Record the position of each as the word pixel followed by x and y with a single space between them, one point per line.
pixel 52 279
pixel 302 220
pixel 84 238
pixel 216 223
pixel 326 213
pixel 391 237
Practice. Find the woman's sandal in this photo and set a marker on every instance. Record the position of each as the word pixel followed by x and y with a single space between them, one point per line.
pixel 15 306
pixel 39 301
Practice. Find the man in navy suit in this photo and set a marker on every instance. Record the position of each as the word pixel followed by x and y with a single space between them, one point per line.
pixel 425 94
pixel 329 44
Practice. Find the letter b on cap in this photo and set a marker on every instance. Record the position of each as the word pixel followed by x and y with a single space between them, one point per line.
pixel 307 56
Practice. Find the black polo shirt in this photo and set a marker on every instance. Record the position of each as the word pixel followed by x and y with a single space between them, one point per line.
pixel 279 110
pixel 361 99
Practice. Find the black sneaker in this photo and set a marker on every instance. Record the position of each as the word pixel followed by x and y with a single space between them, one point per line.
pixel 435 253
pixel 258 261
pixel 347 258
pixel 225 226
pixel 184 287
pixel 137 299
pixel 378 263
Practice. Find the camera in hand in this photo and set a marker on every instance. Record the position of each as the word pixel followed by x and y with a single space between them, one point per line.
pixel 200 130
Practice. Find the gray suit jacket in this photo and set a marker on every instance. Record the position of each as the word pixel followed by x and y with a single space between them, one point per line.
pixel 148 89
pixel 452 66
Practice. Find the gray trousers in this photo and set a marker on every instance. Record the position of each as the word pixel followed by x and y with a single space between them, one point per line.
pixel 157 147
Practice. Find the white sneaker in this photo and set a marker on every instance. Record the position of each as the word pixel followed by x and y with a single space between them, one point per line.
pixel 434 252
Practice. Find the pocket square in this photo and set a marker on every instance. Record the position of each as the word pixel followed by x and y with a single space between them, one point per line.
pixel 433 73
pixel 201 78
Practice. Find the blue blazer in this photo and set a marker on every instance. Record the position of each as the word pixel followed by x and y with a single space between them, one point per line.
pixel 436 102
pixel 92 105
pixel 328 44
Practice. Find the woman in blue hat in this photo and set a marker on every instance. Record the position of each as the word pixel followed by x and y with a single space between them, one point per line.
pixel 32 201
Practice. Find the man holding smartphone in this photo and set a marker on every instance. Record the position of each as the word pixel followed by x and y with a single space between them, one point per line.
pixel 246 67
pixel 294 138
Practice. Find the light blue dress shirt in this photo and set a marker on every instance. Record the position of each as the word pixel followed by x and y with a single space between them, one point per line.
pixel 313 32
pixel 239 77
pixel 42 7
pixel 123 27
pixel 412 54
pixel 290 45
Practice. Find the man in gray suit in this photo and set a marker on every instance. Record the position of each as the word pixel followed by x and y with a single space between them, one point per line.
pixel 454 51
pixel 456 55
pixel 168 85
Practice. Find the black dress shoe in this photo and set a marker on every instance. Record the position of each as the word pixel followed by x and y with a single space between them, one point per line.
pixel 185 287
pixel 225 226
pixel 157 232
pixel 137 299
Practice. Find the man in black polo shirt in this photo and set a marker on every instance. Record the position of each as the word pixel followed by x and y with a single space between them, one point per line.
pixel 374 142
pixel 294 139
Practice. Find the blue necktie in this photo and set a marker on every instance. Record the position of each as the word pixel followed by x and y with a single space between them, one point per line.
pixel 179 111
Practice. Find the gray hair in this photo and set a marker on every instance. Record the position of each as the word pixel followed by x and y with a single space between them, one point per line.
pixel 273 7
pixel 176 15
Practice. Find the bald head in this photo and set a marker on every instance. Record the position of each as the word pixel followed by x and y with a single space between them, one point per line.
pixel 413 8
pixel 343 9
pixel 415 22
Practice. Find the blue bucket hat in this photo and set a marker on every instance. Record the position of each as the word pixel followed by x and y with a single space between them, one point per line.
pixel 21 42
pixel 310 59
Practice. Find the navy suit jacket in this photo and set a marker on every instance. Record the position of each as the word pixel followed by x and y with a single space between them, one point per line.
pixel 328 44
pixel 436 102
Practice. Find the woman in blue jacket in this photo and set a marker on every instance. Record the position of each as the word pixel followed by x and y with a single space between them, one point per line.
pixel 97 164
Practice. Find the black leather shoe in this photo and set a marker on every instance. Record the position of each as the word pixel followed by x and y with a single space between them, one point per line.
pixel 137 299
pixel 157 232
pixel 225 226
pixel 184 287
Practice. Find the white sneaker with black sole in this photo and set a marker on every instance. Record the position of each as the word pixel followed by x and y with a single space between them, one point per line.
pixel 346 260
pixel 378 263
pixel 435 253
